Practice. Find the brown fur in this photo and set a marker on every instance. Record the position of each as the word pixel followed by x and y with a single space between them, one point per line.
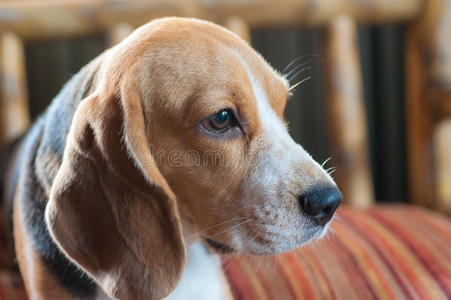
pixel 117 199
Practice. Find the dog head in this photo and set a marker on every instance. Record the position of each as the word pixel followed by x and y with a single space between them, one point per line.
pixel 184 125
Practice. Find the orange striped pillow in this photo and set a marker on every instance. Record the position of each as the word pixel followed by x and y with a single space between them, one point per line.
pixel 385 252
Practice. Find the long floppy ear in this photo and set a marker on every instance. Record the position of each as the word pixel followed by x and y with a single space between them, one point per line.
pixel 110 210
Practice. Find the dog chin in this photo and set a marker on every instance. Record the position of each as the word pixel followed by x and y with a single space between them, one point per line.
pixel 272 248
pixel 285 246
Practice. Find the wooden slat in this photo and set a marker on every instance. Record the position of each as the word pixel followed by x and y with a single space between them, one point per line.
pixel 43 19
pixel 419 125
pixel 444 107
pixel 442 159
pixel 434 32
pixel 14 113
pixel 428 80
pixel 346 112
pixel 439 100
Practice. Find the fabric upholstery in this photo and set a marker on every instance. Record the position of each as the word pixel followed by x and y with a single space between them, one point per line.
pixel 385 252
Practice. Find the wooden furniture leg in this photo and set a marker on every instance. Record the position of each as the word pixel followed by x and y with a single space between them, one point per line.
pixel 14 112
pixel 346 112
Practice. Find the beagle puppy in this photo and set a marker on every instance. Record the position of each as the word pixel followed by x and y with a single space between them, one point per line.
pixel 164 150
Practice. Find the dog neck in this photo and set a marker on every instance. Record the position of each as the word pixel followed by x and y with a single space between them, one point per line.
pixel 202 276
pixel 203 273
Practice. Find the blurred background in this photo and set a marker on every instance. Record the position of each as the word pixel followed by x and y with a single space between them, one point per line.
pixel 367 43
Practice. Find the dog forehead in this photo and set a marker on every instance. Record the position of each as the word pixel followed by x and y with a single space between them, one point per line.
pixel 242 79
pixel 201 60
pixel 268 87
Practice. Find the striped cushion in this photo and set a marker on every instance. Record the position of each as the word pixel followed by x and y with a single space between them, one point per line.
pixel 385 252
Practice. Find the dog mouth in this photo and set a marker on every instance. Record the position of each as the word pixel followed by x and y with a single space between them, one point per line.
pixel 220 248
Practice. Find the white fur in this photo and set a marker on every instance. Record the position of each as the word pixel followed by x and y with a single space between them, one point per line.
pixel 201 278
pixel 281 161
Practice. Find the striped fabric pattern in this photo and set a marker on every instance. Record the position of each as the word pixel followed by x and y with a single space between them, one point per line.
pixel 385 252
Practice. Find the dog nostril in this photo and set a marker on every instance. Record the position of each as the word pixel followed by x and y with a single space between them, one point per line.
pixel 321 204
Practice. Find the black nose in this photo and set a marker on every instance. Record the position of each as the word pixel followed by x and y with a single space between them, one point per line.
pixel 321 204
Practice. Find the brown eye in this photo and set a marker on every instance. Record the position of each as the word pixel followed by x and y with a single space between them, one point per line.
pixel 220 122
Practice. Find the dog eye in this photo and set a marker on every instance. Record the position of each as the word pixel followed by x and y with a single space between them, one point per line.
pixel 220 122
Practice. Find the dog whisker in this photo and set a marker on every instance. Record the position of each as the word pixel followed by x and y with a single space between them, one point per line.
pixel 233 227
pixel 331 232
pixel 296 60
pixel 270 263
pixel 197 236
pixel 289 75
pixel 215 226
pixel 250 207
pixel 298 72
pixel 331 170
pixel 261 257
pixel 300 82
pixel 330 235
pixel 338 218
pixel 325 162
pixel 252 235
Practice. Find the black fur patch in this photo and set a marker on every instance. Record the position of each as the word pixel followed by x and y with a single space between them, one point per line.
pixel 33 200
pixel 47 138
pixel 221 248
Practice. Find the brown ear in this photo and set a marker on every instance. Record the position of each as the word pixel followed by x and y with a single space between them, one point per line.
pixel 110 210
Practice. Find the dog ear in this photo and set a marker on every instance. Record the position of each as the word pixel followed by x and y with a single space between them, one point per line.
pixel 110 210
